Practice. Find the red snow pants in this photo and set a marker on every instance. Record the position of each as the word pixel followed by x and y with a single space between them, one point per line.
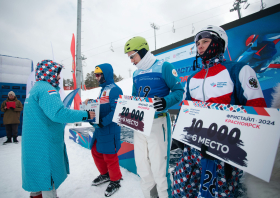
pixel 107 162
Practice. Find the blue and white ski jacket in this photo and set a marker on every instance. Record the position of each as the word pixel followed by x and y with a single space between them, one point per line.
pixel 158 80
pixel 108 137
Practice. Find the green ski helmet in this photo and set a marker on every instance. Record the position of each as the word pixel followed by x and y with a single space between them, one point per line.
pixel 136 43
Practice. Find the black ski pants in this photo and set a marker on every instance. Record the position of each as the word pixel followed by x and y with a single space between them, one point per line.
pixel 11 130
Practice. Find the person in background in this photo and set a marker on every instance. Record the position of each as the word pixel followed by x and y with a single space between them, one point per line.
pixel 159 80
pixel 240 87
pixel 44 158
pixel 11 108
pixel 106 143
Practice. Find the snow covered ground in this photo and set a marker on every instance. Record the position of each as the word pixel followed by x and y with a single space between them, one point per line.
pixel 83 169
pixel 77 184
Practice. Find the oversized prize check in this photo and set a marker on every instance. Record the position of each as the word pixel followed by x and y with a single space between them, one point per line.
pixel 136 113
pixel 245 137
pixel 92 105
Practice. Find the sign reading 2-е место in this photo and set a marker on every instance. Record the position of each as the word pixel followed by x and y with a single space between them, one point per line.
pixel 245 137
pixel 136 113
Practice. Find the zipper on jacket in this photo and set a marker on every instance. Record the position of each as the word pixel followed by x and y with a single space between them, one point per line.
pixel 163 129
pixel 203 83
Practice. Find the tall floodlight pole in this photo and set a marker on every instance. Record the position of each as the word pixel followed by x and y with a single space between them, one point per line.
pixel 155 27
pixel 83 82
pixel 78 47
pixel 236 6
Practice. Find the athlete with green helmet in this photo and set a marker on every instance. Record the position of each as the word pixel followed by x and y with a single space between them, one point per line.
pixel 159 80
pixel 136 43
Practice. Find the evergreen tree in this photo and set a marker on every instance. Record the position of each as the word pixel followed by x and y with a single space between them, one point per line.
pixel 91 81
pixel 68 82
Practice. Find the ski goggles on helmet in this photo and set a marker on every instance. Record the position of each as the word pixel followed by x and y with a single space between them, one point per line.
pixel 132 55
pixel 205 34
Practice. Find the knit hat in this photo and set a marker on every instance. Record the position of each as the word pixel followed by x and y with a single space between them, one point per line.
pixel 47 70
pixel 11 93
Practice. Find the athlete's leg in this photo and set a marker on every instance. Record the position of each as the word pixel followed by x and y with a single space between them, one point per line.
pixel 143 164
pixel 113 166
pixel 99 160
pixel 159 144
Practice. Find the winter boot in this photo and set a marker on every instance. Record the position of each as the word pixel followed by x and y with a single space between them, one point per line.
pixel 101 179
pixel 15 140
pixel 36 194
pixel 9 140
pixel 112 187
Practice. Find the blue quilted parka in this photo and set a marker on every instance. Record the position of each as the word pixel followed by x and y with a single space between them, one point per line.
pixel 108 137
pixel 44 156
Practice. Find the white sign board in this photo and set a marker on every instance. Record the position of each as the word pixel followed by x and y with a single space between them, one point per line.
pixel 92 105
pixel 135 113
pixel 245 137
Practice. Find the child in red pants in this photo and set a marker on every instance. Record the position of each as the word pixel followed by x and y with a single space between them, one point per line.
pixel 105 142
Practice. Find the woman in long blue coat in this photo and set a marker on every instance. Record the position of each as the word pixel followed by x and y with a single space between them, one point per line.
pixel 44 158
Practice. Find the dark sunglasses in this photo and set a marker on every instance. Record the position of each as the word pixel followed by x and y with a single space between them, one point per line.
pixel 98 75
pixel 202 35
pixel 132 55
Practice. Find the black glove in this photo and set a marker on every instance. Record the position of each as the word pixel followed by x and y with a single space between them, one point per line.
pixel 177 144
pixel 12 108
pixel 159 103
pixel 228 172
pixel 100 125
pixel 204 148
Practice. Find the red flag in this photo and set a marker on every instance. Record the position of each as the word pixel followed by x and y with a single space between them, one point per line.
pixel 77 99
pixel 72 49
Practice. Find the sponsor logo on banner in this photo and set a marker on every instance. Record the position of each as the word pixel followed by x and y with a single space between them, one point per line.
pixel 192 51
pixel 160 62
pixel 167 58
pixel 178 54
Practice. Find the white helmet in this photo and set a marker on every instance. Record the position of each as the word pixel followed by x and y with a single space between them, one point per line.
pixel 216 29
